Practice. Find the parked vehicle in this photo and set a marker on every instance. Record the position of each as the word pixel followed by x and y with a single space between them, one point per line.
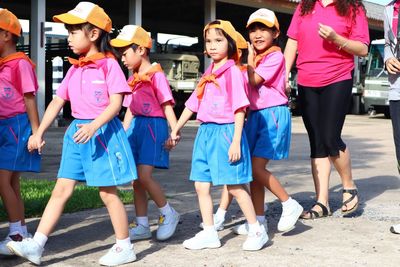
pixel 376 81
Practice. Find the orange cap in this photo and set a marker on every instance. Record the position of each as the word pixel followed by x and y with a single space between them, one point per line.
pixel 86 12
pixel 132 34
pixel 264 16
pixel 9 22
pixel 241 43
pixel 224 25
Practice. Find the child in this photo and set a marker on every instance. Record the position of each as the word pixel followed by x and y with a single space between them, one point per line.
pixel 149 108
pixel 18 120
pixel 220 153
pixel 269 124
pixel 226 198
pixel 95 147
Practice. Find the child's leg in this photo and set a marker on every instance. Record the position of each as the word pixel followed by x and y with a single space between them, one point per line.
pixel 226 199
pixel 9 192
pixel 59 196
pixel 116 209
pixel 16 186
pixel 263 176
pixel 205 202
pixel 145 173
pixel 257 197
pixel 140 199
pixel 244 201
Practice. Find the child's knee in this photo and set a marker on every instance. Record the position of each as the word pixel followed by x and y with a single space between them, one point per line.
pixel 62 192
pixel 108 193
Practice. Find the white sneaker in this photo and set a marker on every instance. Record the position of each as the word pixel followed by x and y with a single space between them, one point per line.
pixel 11 237
pixel 289 217
pixel 202 240
pixel 167 225
pixel 28 249
pixel 139 232
pixel 118 255
pixel 395 229
pixel 256 240
pixel 218 223
pixel 243 229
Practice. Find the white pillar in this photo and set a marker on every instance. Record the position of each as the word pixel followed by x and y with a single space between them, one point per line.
pixel 135 12
pixel 37 42
pixel 209 15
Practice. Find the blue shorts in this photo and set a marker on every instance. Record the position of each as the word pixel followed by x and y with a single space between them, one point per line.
pixel 14 154
pixel 106 160
pixel 147 136
pixel 210 160
pixel 268 132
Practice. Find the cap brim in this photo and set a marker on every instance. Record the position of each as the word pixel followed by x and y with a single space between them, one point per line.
pixel 119 43
pixel 262 21
pixel 68 19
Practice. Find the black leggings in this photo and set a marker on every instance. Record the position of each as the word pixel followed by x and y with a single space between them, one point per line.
pixel 324 110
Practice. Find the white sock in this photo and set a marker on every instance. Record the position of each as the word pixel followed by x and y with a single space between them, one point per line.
pixel 166 210
pixel 220 213
pixel 209 228
pixel 124 243
pixel 24 230
pixel 40 239
pixel 261 219
pixel 288 202
pixel 15 227
pixel 255 227
pixel 144 220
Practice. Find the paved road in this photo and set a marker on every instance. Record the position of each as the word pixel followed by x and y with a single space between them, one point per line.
pixel 363 240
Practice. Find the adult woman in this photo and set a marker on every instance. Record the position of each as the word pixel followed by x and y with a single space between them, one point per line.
pixel 327 34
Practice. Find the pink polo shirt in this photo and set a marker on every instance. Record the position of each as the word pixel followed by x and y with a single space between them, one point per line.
pixel 88 88
pixel 17 77
pixel 320 62
pixel 219 104
pixel 271 92
pixel 147 97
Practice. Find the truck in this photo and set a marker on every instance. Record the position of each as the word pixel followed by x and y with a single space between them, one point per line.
pixel 376 86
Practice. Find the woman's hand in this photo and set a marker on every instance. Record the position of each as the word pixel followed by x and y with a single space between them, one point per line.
pixel 326 32
pixel 393 65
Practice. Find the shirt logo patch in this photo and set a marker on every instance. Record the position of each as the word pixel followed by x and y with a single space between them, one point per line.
pixel 146 108
pixel 7 93
pixel 98 96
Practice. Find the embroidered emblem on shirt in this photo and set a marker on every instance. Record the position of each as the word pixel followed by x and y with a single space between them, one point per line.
pixel 7 93
pixel 98 96
pixel 146 108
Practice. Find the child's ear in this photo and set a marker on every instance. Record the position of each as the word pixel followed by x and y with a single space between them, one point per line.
pixel 276 34
pixel 94 34
pixel 142 50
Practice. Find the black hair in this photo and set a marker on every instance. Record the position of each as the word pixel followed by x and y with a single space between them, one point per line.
pixel 102 43
pixel 134 48
pixel 260 25
pixel 232 48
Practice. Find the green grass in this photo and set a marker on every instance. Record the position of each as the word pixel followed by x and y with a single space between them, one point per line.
pixel 36 194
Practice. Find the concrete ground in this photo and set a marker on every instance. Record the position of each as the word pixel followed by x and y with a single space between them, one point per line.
pixel 80 239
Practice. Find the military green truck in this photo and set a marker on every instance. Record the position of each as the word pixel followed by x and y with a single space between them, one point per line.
pixel 182 71
pixel 376 81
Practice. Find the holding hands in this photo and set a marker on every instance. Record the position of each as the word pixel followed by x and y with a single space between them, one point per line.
pixel 35 142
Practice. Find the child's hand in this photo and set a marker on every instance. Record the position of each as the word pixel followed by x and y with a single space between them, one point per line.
pixel 234 153
pixel 174 138
pixel 85 132
pixel 35 142
pixel 251 53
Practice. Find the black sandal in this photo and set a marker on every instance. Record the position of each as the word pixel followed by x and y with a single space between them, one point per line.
pixel 354 194
pixel 315 214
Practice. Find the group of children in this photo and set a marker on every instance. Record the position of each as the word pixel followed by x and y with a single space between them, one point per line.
pixel 103 152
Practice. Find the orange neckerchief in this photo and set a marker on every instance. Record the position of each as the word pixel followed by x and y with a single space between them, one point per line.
pixel 145 77
pixel 259 57
pixel 83 61
pixel 243 67
pixel 17 55
pixel 212 78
